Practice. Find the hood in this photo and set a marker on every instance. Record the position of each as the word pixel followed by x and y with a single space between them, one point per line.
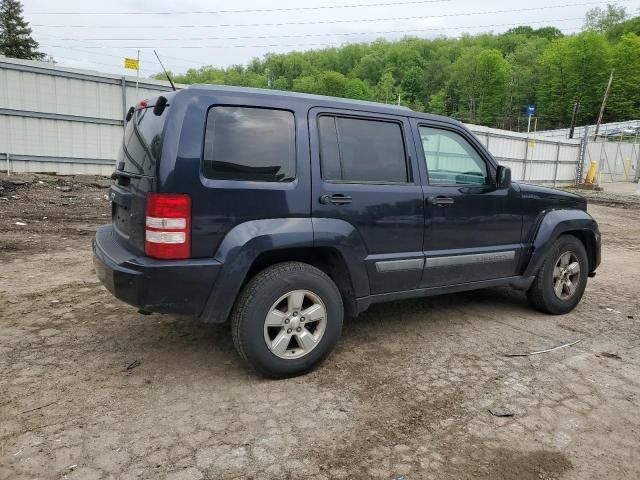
pixel 552 195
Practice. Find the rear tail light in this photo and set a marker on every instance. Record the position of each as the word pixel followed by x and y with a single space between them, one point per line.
pixel 167 233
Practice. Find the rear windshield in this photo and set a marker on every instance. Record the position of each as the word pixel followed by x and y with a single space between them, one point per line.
pixel 142 145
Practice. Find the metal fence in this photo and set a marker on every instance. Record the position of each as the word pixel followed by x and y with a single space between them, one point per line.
pixel 533 159
pixel 617 161
pixel 60 120
pixel 612 128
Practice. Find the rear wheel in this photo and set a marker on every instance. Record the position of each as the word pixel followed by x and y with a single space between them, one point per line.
pixel 560 283
pixel 287 319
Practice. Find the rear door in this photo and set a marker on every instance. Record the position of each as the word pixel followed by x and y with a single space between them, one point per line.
pixel 364 172
pixel 136 170
pixel 472 228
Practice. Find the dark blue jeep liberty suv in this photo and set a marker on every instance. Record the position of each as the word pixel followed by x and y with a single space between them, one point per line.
pixel 286 212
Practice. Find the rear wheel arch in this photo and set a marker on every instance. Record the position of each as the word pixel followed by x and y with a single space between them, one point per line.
pixel 327 259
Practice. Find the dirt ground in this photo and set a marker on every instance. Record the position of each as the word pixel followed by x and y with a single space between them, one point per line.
pixel 90 389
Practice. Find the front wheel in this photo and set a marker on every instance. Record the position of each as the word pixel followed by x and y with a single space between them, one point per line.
pixel 562 279
pixel 287 319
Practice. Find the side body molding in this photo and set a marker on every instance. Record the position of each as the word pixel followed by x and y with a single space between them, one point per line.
pixel 553 224
pixel 237 252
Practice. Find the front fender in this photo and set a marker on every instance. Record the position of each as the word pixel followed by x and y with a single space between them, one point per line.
pixel 553 224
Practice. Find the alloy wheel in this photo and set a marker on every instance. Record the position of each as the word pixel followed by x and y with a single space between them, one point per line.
pixel 566 275
pixel 295 324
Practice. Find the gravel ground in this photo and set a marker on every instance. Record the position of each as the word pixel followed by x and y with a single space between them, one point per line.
pixel 91 389
pixel 611 196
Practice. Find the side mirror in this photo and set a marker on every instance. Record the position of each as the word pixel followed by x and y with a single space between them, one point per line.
pixel 503 177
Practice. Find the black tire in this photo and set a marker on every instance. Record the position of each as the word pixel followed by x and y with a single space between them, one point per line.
pixel 541 294
pixel 255 302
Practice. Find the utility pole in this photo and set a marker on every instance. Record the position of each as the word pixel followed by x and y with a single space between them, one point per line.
pixel 573 119
pixel 138 76
pixel 604 104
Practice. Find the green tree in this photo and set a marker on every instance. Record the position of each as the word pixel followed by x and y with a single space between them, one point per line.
pixel 357 89
pixel 549 33
pixel 617 31
pixel 600 20
pixel 385 90
pixel 15 34
pixel 482 78
pixel 413 84
pixel 624 100
pixel 438 103
pixel 487 78
pixel 325 83
pixel 576 69
pixel 525 75
pixel 281 83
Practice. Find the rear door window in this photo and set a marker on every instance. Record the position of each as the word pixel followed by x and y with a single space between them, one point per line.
pixel 248 143
pixel 362 151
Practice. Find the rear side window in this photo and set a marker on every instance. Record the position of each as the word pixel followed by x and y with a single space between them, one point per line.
pixel 356 150
pixel 246 143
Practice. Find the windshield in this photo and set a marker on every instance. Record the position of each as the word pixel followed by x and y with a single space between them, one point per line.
pixel 142 144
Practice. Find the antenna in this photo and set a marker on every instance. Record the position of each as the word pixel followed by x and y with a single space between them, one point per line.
pixel 165 71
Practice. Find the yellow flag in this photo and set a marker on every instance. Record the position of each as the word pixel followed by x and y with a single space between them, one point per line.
pixel 131 63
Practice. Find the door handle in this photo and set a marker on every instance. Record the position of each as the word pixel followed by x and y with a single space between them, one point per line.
pixel 440 201
pixel 337 199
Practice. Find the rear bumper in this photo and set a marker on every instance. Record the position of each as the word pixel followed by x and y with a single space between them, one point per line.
pixel 165 286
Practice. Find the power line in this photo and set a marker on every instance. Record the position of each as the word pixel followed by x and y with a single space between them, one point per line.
pixel 325 22
pixel 216 46
pixel 311 35
pixel 253 10
pixel 95 45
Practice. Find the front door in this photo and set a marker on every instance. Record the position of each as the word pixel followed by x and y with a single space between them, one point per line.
pixel 472 227
pixel 364 173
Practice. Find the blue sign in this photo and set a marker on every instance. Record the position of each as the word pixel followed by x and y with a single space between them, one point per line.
pixel 531 110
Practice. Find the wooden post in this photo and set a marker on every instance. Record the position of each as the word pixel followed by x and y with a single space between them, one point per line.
pixel 604 104
pixel 573 119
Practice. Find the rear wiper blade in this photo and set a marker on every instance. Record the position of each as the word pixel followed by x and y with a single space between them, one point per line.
pixel 120 173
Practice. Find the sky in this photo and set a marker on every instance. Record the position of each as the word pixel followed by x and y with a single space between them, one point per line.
pixel 192 33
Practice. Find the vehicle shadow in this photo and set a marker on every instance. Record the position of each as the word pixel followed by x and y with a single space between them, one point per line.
pixel 184 344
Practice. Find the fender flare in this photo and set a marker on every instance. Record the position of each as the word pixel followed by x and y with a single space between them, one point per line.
pixel 553 224
pixel 246 241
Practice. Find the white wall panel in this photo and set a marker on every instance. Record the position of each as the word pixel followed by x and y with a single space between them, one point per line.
pixel 69 115
pixel 58 138
pixel 59 168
